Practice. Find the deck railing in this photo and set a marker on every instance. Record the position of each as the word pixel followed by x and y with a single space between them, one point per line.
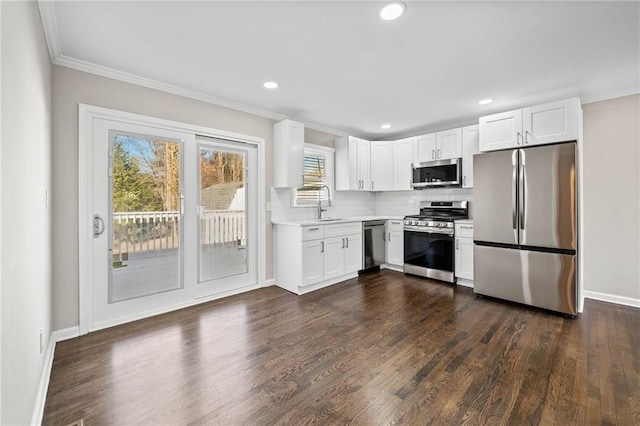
pixel 143 232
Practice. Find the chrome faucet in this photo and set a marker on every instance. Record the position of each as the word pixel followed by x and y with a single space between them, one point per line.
pixel 320 209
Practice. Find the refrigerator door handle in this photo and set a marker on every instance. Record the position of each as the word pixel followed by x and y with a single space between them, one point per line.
pixel 523 185
pixel 514 190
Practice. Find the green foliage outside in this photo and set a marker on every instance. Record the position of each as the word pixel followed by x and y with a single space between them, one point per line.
pixel 132 190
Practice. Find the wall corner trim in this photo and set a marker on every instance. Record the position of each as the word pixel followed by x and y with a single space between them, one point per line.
pixel 612 298
pixel 50 27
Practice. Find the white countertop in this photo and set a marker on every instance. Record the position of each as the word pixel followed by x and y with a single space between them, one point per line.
pixel 307 222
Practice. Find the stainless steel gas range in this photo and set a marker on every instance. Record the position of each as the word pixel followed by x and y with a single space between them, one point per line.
pixel 429 249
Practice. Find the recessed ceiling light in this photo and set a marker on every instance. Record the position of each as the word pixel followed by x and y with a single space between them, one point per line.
pixel 385 126
pixel 485 101
pixel 393 10
pixel 270 85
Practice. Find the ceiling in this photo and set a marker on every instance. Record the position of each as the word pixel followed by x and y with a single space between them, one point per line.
pixel 343 69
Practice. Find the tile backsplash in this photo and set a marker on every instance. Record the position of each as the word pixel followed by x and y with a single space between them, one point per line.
pixel 345 203
pixel 355 203
pixel 403 203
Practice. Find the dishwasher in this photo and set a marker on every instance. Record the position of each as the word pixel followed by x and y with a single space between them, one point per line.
pixel 375 252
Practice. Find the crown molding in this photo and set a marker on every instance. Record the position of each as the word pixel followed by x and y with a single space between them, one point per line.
pixel 91 68
pixel 612 95
pixel 49 24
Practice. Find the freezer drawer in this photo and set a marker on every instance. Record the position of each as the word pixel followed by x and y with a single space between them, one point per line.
pixel 545 280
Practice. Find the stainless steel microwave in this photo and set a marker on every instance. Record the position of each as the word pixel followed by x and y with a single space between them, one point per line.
pixel 432 174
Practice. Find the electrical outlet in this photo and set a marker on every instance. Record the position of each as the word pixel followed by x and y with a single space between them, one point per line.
pixel 268 206
pixel 41 340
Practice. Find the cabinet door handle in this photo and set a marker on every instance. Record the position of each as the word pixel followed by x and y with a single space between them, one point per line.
pixel 526 137
pixel 433 154
pixel 342 242
pixel 464 180
pixel 518 136
pixel 321 246
pixel 389 236
pixel 457 244
pixel 347 241
pixel 372 185
pixel 466 227
pixel 314 229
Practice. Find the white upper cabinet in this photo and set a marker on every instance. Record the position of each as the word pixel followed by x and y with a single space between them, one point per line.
pixel 425 148
pixel 352 164
pixel 552 122
pixel 439 146
pixel 537 125
pixel 500 131
pixel 449 144
pixel 288 154
pixel 470 140
pixel 382 165
pixel 403 158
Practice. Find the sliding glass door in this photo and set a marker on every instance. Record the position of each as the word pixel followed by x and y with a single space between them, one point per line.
pixel 174 219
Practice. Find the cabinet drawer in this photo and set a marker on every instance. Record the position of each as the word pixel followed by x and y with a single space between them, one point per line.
pixel 464 230
pixel 315 232
pixel 342 229
pixel 394 225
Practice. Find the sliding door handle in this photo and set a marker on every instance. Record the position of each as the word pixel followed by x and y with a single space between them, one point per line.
pixel 98 226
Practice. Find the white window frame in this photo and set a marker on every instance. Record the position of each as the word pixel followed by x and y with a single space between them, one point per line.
pixel 329 154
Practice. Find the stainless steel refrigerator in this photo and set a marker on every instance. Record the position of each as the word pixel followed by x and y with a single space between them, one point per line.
pixel 525 226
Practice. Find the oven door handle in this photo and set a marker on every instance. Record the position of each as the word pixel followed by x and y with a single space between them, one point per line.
pixel 422 231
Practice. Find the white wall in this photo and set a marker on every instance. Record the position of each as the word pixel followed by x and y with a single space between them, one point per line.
pixel 26 220
pixel 612 199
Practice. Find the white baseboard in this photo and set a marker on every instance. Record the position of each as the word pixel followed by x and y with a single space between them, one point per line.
pixel 612 298
pixel 269 283
pixel 391 267
pixel 45 375
pixel 464 282
pixel 65 334
pixel 43 386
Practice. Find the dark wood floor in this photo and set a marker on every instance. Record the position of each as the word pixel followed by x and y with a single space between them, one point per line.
pixel 381 349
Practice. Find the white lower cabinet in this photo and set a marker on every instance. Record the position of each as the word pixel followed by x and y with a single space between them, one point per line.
pixel 464 253
pixel 395 243
pixel 312 257
pixel 333 257
pixel 353 253
pixel 312 260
